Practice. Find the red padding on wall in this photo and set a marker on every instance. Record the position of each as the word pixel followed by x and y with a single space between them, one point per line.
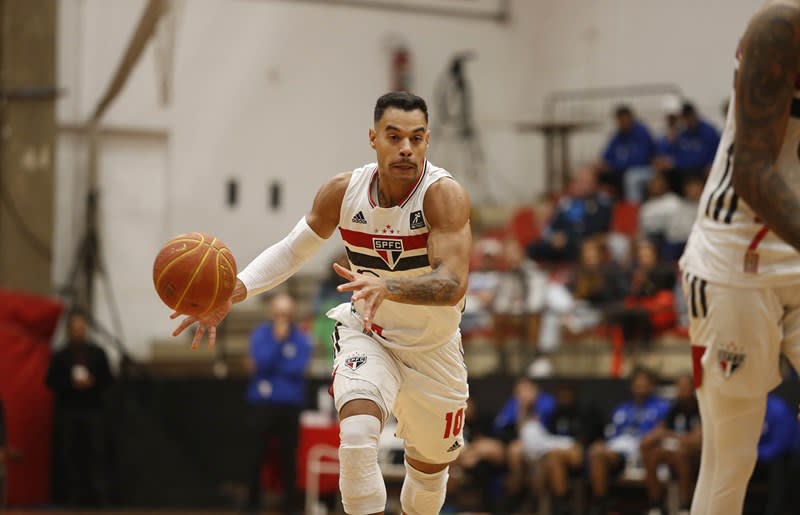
pixel 27 323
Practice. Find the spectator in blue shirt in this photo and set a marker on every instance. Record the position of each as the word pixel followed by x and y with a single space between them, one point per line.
pixel 629 422
pixel 583 212
pixel 774 448
pixel 527 401
pixel 626 160
pixel 694 149
pixel 279 354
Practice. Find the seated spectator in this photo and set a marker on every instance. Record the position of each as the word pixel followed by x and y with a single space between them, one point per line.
pixel 559 446
pixel 629 422
pixel 482 458
pixel 649 305
pixel 527 401
pixel 676 442
pixel 585 211
pixel 694 149
pixel 774 449
pixel 597 282
pixel 657 211
pixel 682 220
pixel 625 165
pixel 665 145
pixel 527 300
pixel 482 286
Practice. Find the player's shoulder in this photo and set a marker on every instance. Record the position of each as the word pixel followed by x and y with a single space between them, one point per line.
pixel 446 202
pixel 337 184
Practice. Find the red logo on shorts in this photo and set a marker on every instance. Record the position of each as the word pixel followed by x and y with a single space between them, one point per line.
pixel 730 358
pixel 355 362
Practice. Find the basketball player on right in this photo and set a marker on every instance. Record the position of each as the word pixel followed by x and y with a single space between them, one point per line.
pixel 742 266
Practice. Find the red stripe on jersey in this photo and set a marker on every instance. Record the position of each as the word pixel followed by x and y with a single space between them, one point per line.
pixel 364 240
pixel 757 238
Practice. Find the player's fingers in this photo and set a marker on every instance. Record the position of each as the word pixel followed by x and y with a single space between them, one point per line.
pixel 174 315
pixel 212 336
pixel 368 312
pixel 198 336
pixel 343 272
pixel 351 286
pixel 182 327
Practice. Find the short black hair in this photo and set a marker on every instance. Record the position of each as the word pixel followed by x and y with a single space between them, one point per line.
pixel 687 109
pixel 646 372
pixel 623 110
pixel 400 100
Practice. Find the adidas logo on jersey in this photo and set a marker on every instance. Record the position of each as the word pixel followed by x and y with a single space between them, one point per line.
pixel 456 445
pixel 359 218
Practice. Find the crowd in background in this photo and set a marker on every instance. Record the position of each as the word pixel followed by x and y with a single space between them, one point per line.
pixel 544 444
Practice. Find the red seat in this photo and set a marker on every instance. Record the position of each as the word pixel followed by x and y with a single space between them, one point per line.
pixel 523 227
pixel 625 218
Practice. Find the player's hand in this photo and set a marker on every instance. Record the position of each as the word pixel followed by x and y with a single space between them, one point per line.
pixel 372 290
pixel 207 323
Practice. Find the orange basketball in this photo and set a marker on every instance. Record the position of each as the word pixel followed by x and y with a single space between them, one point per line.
pixel 194 272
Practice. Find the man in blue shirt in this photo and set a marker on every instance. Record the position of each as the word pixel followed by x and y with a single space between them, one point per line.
pixel 527 401
pixel 629 422
pixel 626 160
pixel 583 212
pixel 694 149
pixel 279 354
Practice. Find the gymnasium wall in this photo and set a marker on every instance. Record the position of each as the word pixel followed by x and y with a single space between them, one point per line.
pixel 267 90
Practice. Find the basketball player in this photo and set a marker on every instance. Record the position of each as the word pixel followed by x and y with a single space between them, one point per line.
pixel 742 267
pixel 405 226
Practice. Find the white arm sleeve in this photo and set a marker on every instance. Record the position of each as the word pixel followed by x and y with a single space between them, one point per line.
pixel 280 261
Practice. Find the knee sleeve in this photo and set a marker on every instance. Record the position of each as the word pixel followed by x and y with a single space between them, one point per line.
pixel 423 494
pixel 360 478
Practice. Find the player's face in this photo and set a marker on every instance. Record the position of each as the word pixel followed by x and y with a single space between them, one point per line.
pixel 641 387
pixel 400 139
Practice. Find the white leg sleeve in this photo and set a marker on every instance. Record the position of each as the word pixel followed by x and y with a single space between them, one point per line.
pixel 360 479
pixel 423 494
pixel 731 429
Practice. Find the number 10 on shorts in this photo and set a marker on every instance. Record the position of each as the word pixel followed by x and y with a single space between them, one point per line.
pixel 453 423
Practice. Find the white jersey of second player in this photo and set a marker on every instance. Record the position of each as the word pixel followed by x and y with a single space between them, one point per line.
pixel 729 244
pixel 393 242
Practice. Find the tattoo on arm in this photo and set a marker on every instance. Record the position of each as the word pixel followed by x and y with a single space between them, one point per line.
pixel 765 87
pixel 436 288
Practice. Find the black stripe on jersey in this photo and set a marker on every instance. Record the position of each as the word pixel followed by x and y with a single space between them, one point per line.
pixel 721 189
pixel 692 296
pixel 335 339
pixel 703 303
pixel 374 262
pixel 795 112
pixel 731 207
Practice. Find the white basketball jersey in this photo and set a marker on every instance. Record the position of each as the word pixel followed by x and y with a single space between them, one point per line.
pixel 393 242
pixel 728 243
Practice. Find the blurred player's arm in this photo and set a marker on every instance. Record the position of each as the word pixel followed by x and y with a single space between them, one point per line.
pixel 280 261
pixel 765 83
pixel 447 209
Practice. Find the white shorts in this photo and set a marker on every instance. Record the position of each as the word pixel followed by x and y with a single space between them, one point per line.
pixel 738 334
pixel 538 441
pixel 427 391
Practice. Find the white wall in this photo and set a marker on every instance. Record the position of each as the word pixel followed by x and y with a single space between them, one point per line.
pixel 270 90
